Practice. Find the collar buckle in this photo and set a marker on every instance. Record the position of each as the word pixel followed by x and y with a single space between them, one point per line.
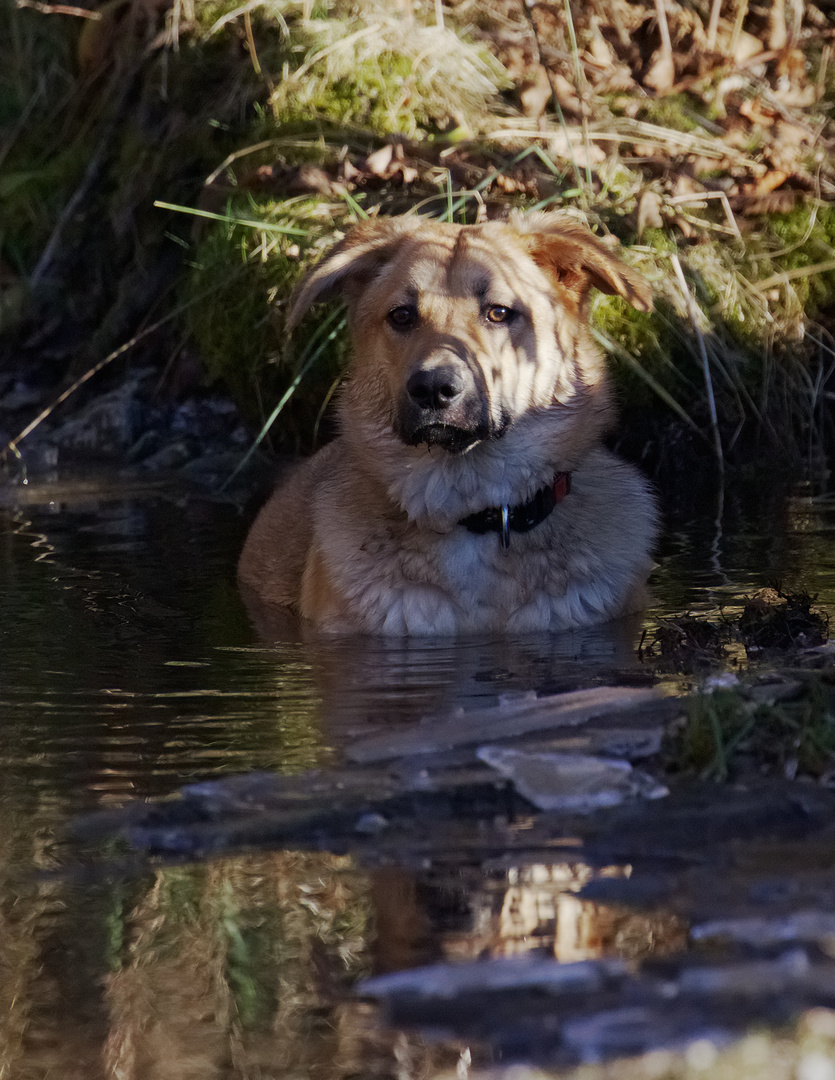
pixel 504 530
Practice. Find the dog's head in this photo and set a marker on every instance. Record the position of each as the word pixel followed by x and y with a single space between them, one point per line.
pixel 460 331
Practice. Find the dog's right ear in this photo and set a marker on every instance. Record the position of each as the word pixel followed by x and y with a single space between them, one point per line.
pixel 352 263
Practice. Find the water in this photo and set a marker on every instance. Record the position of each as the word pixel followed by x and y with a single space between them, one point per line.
pixel 129 667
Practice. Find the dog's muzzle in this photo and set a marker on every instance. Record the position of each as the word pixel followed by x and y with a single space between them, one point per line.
pixel 444 404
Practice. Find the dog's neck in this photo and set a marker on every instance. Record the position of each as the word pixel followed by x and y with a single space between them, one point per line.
pixel 523 516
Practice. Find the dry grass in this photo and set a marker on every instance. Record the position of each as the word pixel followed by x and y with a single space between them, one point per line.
pixel 292 120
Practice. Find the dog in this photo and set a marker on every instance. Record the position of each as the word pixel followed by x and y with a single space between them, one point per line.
pixel 468 489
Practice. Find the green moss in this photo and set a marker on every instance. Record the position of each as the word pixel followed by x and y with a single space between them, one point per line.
pixel 675 111
pixel 374 96
pixel 240 282
pixel 807 238
pixel 385 77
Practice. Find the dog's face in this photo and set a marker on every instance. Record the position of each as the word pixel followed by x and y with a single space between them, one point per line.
pixel 461 330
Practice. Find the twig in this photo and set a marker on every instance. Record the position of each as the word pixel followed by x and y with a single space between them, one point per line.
pixel 700 196
pixel 664 29
pixel 656 387
pixel 12 445
pixel 582 88
pixel 694 319
pixel 90 177
pixel 60 9
pixel 786 276
pixel 250 43
pixel 227 161
pixel 556 101
pixel 20 126
pixel 713 24
pixel 91 174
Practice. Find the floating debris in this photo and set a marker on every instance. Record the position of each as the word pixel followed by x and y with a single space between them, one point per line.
pixel 776 620
pixel 801 926
pixel 512 973
pixel 574 783
pixel 513 718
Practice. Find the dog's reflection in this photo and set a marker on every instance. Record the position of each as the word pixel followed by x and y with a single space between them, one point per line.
pixel 366 681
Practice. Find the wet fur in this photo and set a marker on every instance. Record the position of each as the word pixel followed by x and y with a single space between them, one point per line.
pixel 365 535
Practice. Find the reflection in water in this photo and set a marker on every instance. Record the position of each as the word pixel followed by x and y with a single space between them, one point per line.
pixel 129 667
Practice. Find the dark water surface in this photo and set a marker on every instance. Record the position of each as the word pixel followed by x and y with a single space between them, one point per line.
pixel 129 667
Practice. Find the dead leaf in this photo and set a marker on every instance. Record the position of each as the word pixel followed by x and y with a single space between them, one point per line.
pixel 649 212
pixel 615 80
pixel 757 112
pixel 774 202
pixel 787 146
pixel 567 149
pixel 513 185
pixel 292 180
pixel 566 95
pixel 599 51
pixel 684 226
pixel 747 46
pixel 767 183
pixel 686 185
pixel 379 163
pixel 778 33
pixel 792 88
pixel 389 163
pixel 661 74
pixel 535 93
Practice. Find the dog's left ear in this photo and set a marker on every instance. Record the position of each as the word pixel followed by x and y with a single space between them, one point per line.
pixel 578 261
pixel 352 264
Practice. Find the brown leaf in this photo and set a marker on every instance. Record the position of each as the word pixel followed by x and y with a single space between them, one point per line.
pixel 778 34
pixel 388 163
pixel 535 93
pixel 686 229
pixel 379 163
pixel 566 95
pixel 747 46
pixel 649 212
pixel 757 112
pixel 773 202
pixel 767 183
pixel 792 87
pixel 562 147
pixel 599 50
pixel 661 74
pixel 787 145
pixel 292 180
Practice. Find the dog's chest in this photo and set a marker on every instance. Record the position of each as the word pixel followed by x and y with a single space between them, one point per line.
pixel 484 588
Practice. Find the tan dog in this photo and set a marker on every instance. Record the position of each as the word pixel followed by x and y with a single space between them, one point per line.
pixel 468 489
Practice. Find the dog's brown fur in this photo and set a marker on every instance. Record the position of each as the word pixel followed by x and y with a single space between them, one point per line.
pixel 474 383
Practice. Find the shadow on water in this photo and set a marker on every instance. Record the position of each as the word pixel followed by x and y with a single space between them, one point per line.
pixel 129 668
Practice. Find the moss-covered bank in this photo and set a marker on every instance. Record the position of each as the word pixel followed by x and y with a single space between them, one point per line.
pixel 274 126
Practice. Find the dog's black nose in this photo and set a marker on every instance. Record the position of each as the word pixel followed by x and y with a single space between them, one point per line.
pixel 435 388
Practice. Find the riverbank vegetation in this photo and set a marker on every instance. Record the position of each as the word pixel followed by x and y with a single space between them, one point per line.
pixel 168 170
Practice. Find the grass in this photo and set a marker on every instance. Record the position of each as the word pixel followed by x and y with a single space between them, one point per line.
pixel 232 103
pixel 727 734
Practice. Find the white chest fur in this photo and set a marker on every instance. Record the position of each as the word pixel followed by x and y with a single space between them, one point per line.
pixel 579 567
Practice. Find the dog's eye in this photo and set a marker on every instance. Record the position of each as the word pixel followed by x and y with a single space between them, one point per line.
pixel 499 314
pixel 402 317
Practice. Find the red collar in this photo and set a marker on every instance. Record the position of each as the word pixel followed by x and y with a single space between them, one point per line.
pixel 522 517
